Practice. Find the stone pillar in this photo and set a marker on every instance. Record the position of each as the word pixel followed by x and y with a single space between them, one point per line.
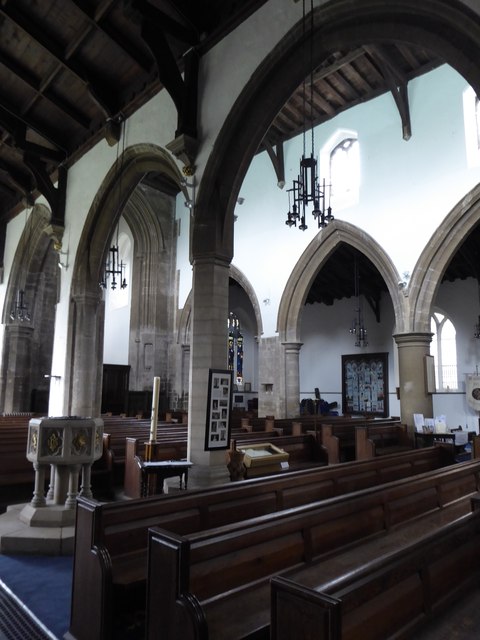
pixel 412 349
pixel 292 379
pixel 38 499
pixel 16 367
pixel 86 372
pixel 208 350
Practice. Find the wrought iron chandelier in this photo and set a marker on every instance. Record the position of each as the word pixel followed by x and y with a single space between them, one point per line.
pixel 114 267
pixel 19 310
pixel 358 328
pixel 476 331
pixel 306 188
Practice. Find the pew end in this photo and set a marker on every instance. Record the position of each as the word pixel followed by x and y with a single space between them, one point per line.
pixel 298 612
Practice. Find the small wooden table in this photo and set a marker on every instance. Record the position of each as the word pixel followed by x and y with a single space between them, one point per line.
pixel 154 473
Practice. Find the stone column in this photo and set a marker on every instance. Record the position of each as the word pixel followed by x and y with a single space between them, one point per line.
pixel 16 367
pixel 208 350
pixel 292 379
pixel 412 349
pixel 86 372
pixel 38 499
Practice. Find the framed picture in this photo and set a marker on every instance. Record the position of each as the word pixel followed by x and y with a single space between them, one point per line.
pixel 217 432
pixel 365 384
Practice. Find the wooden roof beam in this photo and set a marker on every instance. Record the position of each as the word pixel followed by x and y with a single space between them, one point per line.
pixel 396 82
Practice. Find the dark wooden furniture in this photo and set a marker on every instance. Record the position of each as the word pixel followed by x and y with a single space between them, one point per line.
pixel 379 439
pixel 115 382
pixel 217 581
pixel 154 473
pixel 387 597
pixel 111 538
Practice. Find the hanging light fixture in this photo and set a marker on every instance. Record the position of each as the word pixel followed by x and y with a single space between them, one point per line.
pixel 115 267
pixel 19 310
pixel 306 188
pixel 476 331
pixel 358 328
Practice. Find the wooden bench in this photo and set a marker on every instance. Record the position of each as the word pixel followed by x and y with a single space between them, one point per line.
pixel 387 597
pixel 217 582
pixel 111 538
pixel 378 439
pixel 340 440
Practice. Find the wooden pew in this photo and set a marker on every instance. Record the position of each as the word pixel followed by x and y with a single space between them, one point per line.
pixel 218 581
pixel 387 597
pixel 111 538
pixel 17 475
pixel 378 439
pixel 340 440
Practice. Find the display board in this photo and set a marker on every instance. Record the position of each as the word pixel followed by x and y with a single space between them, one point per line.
pixel 365 384
pixel 217 432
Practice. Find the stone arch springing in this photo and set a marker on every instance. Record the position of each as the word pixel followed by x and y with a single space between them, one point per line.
pixel 427 274
pixel 311 262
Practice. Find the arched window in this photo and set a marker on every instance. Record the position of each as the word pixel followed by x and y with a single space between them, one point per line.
pixel 342 153
pixel 471 118
pixel 235 348
pixel 444 349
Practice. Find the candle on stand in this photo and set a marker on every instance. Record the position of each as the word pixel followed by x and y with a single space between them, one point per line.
pixel 153 422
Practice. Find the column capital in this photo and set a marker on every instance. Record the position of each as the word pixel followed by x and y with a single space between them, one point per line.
pixel 415 338
pixel 292 346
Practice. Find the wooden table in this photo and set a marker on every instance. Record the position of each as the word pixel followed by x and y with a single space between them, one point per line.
pixel 154 473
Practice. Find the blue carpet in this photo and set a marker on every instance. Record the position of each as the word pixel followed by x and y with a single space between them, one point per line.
pixel 43 584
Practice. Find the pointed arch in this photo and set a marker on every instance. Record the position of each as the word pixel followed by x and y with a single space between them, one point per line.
pixel 311 262
pixel 86 318
pixel 446 27
pixel 243 281
pixel 28 346
pixel 124 175
pixel 428 272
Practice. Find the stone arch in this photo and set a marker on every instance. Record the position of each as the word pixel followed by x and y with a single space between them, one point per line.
pixel 446 27
pixel 243 281
pixel 124 175
pixel 28 345
pixel 85 341
pixel 311 262
pixel 428 272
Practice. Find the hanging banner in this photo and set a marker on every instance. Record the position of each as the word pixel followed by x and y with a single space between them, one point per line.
pixel 472 390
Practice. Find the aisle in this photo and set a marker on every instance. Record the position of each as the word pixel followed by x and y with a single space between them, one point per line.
pixel 43 584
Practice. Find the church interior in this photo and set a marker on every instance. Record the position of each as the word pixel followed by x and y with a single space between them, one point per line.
pixel 240 330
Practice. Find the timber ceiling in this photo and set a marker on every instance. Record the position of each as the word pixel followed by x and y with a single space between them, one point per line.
pixel 72 70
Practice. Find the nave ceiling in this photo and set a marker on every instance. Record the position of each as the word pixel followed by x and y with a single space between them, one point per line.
pixel 71 70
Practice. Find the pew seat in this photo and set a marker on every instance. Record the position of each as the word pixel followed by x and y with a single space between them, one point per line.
pixel 225 573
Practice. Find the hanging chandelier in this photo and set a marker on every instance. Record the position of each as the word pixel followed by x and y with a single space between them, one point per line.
pixel 19 310
pixel 358 328
pixel 306 189
pixel 114 268
pixel 476 331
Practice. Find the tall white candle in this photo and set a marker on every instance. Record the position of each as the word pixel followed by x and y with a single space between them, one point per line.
pixel 153 422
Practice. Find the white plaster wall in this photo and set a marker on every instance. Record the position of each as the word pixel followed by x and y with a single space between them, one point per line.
pixel 407 188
